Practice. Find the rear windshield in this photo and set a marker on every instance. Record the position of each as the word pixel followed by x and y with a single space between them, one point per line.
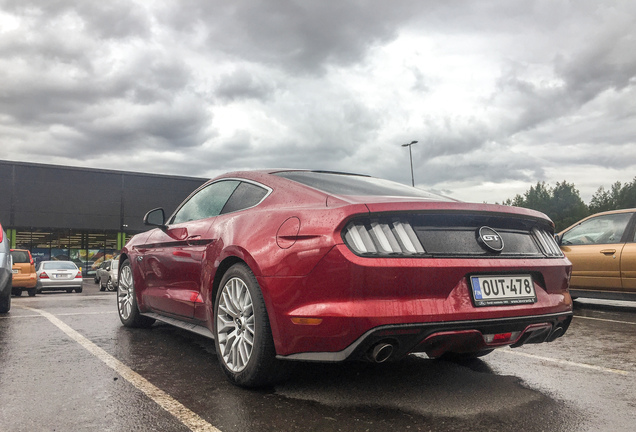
pixel 59 265
pixel 20 257
pixel 352 184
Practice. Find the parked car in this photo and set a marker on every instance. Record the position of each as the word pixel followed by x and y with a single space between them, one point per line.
pixel 5 273
pixel 24 276
pixel 602 249
pixel 106 275
pixel 59 275
pixel 323 266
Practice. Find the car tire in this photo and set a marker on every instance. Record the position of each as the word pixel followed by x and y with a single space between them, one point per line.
pixel 127 308
pixel 16 292
pixel 101 287
pixel 31 292
pixel 240 312
pixel 69 290
pixel 110 286
pixel 5 301
pixel 78 290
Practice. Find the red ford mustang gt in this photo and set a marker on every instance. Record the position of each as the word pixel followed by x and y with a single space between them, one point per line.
pixel 324 266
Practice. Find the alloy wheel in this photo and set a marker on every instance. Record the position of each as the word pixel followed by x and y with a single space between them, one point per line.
pixel 235 325
pixel 125 293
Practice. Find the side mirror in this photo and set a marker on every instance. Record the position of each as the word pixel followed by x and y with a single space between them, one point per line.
pixel 558 239
pixel 155 217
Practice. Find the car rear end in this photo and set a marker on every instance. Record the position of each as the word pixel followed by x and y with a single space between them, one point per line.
pixel 24 276
pixel 433 277
pixel 59 275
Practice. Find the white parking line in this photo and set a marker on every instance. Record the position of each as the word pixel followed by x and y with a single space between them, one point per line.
pixel 606 320
pixel 189 418
pixel 565 362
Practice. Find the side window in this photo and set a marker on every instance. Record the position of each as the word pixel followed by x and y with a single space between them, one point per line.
pixel 606 229
pixel 245 196
pixel 208 202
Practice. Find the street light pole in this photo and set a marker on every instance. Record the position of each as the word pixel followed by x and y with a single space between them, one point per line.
pixel 411 159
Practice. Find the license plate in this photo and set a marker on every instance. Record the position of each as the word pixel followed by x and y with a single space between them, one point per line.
pixel 502 290
pixel 15 271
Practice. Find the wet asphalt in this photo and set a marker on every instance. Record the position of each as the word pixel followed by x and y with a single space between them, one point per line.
pixel 64 360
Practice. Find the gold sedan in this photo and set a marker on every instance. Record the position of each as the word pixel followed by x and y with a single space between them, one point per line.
pixel 602 249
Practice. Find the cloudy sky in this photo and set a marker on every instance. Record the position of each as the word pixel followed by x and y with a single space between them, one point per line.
pixel 499 94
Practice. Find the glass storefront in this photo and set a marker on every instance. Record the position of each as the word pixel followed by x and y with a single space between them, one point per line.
pixel 86 249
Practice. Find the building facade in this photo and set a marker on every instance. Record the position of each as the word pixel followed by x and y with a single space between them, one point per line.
pixel 80 214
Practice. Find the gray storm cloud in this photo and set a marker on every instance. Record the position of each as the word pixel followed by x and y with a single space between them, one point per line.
pixel 500 96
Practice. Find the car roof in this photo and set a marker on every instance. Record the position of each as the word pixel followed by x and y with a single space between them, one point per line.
pixel 629 210
pixel 57 261
pixel 267 178
pixel 273 178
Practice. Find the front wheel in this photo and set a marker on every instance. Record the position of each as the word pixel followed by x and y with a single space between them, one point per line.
pixel 129 314
pixel 243 337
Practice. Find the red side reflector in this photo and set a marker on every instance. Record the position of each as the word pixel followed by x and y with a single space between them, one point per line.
pixel 195 297
pixel 307 321
pixel 502 337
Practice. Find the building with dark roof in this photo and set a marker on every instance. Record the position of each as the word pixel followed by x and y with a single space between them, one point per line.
pixel 81 214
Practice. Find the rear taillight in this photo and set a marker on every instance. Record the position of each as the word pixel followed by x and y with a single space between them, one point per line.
pixel 31 259
pixel 395 237
pixel 78 275
pixel 548 244
pixel 43 275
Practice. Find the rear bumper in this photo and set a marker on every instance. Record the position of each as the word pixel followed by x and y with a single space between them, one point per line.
pixel 436 339
pixel 352 300
pixel 24 281
pixel 52 285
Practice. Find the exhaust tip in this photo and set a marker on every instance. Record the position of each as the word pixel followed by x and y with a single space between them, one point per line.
pixel 381 352
pixel 558 332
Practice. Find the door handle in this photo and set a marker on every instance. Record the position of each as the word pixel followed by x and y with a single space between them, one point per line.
pixel 608 251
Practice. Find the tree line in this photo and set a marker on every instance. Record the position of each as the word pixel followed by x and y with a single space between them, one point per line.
pixel 563 204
